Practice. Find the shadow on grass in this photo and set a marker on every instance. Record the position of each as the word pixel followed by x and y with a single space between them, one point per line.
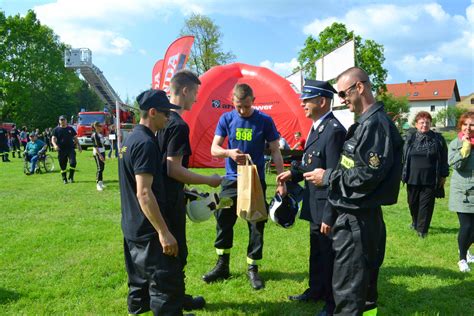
pixel 278 276
pixel 400 292
pixel 7 296
pixel 443 230
pixel 94 181
pixel 263 308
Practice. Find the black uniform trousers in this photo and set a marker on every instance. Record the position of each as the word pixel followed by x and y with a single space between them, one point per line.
pixel 63 156
pixel 421 200
pixel 100 167
pixel 4 151
pixel 359 245
pixel 155 280
pixel 226 219
pixel 16 147
pixel 321 262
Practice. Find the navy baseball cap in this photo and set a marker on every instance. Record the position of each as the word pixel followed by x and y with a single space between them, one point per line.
pixel 316 88
pixel 155 99
pixel 62 117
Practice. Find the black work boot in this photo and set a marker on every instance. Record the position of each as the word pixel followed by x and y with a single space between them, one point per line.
pixel 71 175
pixel 255 280
pixel 220 271
pixel 5 158
pixel 196 302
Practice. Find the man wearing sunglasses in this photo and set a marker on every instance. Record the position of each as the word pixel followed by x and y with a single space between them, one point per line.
pixel 174 144
pixel 367 177
pixel 64 140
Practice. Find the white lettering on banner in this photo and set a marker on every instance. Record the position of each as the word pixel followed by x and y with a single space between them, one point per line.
pixel 170 70
pixel 263 107
pixel 156 84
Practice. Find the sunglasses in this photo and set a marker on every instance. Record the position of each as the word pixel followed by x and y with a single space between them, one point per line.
pixel 165 113
pixel 343 94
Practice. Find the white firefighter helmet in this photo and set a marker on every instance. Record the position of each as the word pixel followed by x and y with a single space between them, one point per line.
pixel 283 210
pixel 201 208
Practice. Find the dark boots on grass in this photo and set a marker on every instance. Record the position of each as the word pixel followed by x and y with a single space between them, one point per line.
pixel 221 272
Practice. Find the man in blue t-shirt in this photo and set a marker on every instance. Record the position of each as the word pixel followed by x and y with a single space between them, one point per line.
pixel 246 130
pixel 33 149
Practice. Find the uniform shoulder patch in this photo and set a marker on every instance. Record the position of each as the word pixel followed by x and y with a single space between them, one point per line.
pixel 374 160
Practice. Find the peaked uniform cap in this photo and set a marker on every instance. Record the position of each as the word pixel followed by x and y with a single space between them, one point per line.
pixel 317 88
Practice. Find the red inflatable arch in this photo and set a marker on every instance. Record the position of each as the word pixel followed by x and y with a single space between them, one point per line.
pixel 273 96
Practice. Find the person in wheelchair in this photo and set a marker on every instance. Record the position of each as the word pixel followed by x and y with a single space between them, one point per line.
pixel 34 149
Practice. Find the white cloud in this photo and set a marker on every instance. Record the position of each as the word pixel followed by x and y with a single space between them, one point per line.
pixel 281 68
pixel 98 24
pixel 420 39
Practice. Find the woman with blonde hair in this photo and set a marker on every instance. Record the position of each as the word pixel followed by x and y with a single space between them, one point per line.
pixel 461 196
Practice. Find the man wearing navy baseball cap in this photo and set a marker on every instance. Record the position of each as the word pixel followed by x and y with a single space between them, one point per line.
pixel 323 148
pixel 152 256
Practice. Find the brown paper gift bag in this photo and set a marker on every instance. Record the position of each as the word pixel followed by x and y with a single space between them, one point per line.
pixel 250 199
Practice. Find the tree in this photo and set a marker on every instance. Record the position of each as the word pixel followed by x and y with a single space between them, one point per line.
pixel 451 114
pixel 396 107
pixel 35 87
pixel 369 54
pixel 207 49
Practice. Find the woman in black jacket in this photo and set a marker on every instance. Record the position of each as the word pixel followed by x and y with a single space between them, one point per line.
pixel 425 170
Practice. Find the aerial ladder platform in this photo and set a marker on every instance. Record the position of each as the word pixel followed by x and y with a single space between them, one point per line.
pixel 81 59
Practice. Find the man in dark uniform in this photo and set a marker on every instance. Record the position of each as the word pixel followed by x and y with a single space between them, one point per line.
pixel 152 250
pixel 322 150
pixel 15 141
pixel 367 177
pixel 174 144
pixel 247 130
pixel 64 140
pixel 4 143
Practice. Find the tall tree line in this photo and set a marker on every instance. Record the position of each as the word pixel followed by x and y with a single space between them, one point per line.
pixel 35 87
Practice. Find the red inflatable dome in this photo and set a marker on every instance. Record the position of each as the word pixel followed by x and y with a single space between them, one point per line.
pixel 273 96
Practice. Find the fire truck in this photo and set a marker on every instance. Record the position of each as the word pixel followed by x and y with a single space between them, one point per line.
pixel 81 60
pixel 83 126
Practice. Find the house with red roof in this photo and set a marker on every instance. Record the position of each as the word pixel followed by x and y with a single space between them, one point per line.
pixel 430 96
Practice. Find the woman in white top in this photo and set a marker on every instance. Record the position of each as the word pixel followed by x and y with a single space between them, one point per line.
pixel 99 153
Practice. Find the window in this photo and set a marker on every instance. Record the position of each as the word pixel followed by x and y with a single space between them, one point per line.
pixel 472 100
pixel 415 93
pixel 432 108
pixel 435 92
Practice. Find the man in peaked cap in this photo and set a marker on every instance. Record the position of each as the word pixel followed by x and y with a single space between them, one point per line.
pixel 322 150
pixel 152 248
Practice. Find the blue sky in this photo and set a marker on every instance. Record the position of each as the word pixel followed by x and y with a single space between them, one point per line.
pixel 430 40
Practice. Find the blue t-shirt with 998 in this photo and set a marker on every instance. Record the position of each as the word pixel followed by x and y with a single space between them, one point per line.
pixel 248 134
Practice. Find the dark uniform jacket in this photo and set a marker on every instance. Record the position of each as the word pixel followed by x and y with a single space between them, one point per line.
pixel 368 174
pixel 322 150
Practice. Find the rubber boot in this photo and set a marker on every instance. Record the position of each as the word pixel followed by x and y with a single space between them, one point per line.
pixel 71 175
pixel 63 175
pixel 220 271
pixel 255 280
pixel 5 157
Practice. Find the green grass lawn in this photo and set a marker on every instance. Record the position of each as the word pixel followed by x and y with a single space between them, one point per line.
pixel 61 253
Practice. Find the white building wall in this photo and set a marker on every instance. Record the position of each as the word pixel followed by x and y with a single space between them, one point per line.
pixel 417 106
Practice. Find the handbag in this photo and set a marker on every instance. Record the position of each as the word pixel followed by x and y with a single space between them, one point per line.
pixel 251 204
